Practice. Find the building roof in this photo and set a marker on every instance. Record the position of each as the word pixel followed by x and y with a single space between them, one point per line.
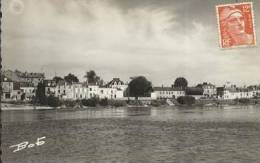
pixel 19 76
pixel 11 75
pixel 31 75
pixel 205 84
pixel 26 84
pixel 115 81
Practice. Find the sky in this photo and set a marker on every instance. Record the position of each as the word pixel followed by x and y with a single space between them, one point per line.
pixel 159 39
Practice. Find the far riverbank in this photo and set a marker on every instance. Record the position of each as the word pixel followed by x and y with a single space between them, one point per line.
pixel 75 105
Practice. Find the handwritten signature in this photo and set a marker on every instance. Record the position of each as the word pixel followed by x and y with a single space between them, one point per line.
pixel 26 144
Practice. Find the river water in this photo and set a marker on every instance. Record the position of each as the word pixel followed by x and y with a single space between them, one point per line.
pixel 167 134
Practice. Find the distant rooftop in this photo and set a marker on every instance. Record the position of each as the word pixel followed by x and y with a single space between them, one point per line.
pixel 115 81
pixel 21 76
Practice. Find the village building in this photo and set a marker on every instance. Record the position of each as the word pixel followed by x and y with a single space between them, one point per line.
pixel 64 90
pixel 209 90
pixel 28 91
pixel 195 92
pixel 33 78
pixel 74 91
pixel 117 83
pixel 167 93
pixel 256 90
pixel 10 89
pixel 50 86
pixel 93 91
pixel 19 76
pixel 110 93
pixel 230 91
pixel 7 86
pixel 77 91
pixel 238 93
pixel 19 85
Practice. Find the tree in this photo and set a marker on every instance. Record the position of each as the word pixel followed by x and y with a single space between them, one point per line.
pixel 92 78
pixel 23 96
pixel 140 87
pixel 199 86
pixel 70 78
pixel 90 102
pixel 57 79
pixel 180 82
pixel 40 94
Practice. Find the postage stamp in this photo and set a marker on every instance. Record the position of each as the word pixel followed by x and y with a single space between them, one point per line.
pixel 236 25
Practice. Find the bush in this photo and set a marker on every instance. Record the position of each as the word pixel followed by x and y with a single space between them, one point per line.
pixel 90 102
pixel 157 103
pixel 103 102
pixel 70 103
pixel 243 101
pixel 187 100
pixel 117 103
pixel 53 101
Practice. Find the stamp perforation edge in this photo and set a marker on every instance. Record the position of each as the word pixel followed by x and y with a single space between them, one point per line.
pixel 253 25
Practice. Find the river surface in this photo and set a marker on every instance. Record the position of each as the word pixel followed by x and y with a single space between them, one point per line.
pixel 167 134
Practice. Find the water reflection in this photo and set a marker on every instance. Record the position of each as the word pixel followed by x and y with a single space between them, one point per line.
pixel 228 113
pixel 132 135
pixel 138 111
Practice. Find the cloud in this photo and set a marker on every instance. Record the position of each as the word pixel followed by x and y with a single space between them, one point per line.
pixel 76 36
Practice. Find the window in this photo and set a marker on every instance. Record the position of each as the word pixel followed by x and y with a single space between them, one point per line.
pixel 7 95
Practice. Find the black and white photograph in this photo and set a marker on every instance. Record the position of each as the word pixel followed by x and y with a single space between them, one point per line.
pixel 130 81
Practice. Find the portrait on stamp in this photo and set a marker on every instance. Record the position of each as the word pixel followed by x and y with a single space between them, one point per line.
pixel 236 25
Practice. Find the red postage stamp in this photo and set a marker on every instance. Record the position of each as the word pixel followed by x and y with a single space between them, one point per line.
pixel 236 25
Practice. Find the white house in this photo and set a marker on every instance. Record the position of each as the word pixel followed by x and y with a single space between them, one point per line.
pixel 166 93
pixel 28 91
pixel 117 83
pixel 230 94
pixel 209 90
pixel 93 91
